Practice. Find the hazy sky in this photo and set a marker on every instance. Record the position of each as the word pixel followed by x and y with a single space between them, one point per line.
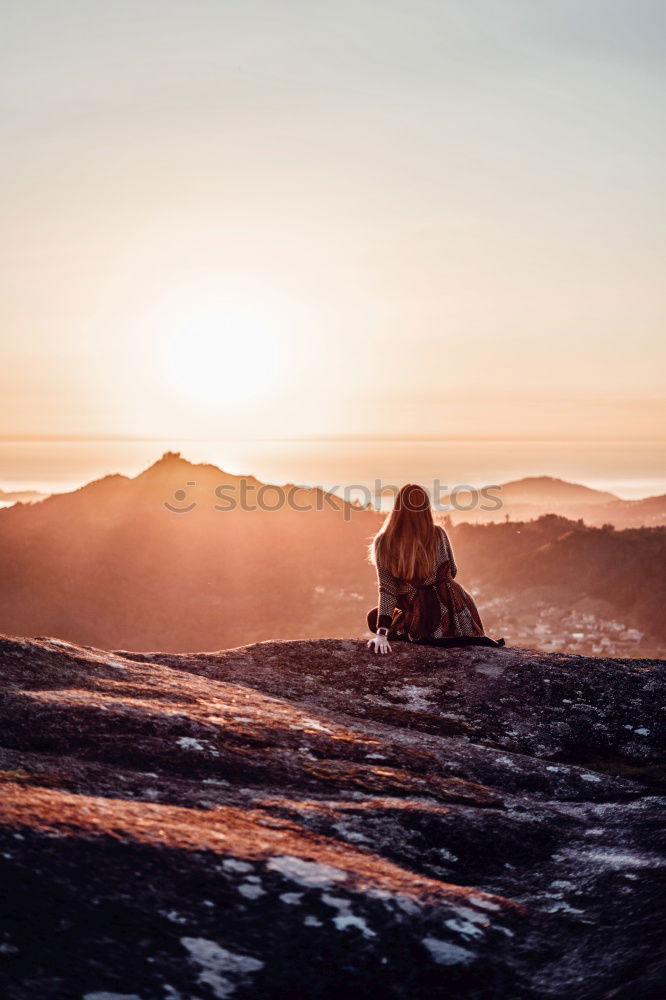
pixel 368 217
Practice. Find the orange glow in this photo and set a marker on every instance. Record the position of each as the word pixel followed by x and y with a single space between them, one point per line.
pixel 387 238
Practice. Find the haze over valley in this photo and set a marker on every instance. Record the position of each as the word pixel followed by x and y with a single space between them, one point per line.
pixel 169 560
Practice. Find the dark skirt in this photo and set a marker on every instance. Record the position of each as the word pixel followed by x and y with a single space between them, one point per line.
pixel 459 640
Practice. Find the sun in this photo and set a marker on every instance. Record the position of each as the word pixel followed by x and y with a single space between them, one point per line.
pixel 219 351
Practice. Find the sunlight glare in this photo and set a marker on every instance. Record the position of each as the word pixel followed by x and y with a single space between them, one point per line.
pixel 218 351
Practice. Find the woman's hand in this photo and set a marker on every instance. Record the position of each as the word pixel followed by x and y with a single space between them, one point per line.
pixel 379 644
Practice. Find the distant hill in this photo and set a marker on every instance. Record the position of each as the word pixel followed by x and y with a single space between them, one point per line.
pixel 566 567
pixel 186 557
pixel 183 557
pixel 530 498
pixel 20 496
pixel 547 490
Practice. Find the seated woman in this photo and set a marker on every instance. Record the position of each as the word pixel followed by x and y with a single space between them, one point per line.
pixel 419 601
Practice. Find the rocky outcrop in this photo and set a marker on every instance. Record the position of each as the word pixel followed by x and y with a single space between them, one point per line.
pixel 306 820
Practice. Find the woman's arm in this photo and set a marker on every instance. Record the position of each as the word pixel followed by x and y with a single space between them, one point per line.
pixel 449 552
pixel 388 595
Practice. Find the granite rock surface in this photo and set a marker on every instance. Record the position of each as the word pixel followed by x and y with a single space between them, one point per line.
pixel 306 820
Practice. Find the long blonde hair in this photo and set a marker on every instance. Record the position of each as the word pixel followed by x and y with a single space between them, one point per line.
pixel 406 542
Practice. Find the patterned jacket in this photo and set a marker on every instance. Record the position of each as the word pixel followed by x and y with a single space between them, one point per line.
pixel 435 609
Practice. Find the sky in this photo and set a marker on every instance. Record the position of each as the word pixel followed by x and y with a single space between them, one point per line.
pixel 394 219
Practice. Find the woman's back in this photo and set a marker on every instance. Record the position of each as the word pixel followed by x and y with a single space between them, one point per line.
pixel 442 554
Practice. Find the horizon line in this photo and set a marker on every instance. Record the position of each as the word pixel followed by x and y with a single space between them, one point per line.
pixel 313 439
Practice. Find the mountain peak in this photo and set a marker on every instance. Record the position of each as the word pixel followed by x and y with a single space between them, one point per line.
pixel 172 464
pixel 167 462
